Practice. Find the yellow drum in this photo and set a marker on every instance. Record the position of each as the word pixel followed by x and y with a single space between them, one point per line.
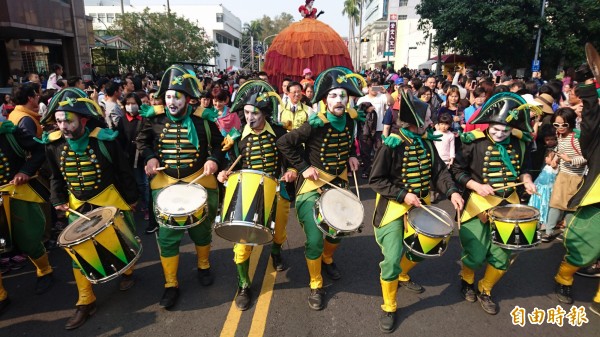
pixel 103 247
pixel 181 206
pixel 425 235
pixel 248 208
pixel 515 226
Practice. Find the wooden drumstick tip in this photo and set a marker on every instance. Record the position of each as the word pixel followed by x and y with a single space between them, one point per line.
pixel 78 214
pixel 160 168
pixel 425 207
pixel 234 163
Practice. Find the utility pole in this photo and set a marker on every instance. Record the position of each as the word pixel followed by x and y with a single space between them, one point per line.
pixel 122 8
pixel 362 7
pixel 539 34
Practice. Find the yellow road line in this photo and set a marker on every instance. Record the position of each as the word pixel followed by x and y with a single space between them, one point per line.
pixel 259 320
pixel 234 315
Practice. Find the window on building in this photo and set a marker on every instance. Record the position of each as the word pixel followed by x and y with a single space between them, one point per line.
pixel 403 3
pixel 219 17
pixel 401 17
pixel 110 17
pixel 102 17
pixel 236 43
pixel 94 17
pixel 219 38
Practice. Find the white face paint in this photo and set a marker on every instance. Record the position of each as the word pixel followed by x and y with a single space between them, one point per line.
pixel 175 102
pixel 69 124
pixel 337 99
pixel 254 117
pixel 499 132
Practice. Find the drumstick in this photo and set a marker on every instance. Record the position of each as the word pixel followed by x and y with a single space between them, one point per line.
pixel 197 178
pixel 356 185
pixel 332 185
pixel 78 214
pixel 458 217
pixel 435 215
pixel 233 165
pixel 506 187
pixel 160 168
pixel 6 185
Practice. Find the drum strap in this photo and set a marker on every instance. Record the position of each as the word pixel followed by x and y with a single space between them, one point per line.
pixel 104 151
pixel 477 204
pixel 15 145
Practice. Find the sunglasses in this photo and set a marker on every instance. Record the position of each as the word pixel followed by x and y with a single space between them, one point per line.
pixel 560 125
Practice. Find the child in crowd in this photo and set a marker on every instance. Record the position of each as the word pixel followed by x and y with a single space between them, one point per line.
pixel 544 183
pixel 225 120
pixel 445 147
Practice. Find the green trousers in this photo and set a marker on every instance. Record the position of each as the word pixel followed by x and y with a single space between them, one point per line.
pixel 582 237
pixel 390 240
pixel 476 241
pixel 28 226
pixel 170 239
pixel 305 207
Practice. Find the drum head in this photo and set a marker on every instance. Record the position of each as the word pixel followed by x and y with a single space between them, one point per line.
pixel 341 209
pixel 82 228
pixel 181 199
pixel 423 222
pixel 514 212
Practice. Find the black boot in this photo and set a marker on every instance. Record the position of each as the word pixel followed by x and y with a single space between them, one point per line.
pixel 387 321
pixel 468 291
pixel 278 263
pixel 487 304
pixel 243 298
pixel 332 271
pixel 42 284
pixel 316 299
pixel 563 293
pixel 81 315
pixel 169 297
pixel 4 304
pixel 205 276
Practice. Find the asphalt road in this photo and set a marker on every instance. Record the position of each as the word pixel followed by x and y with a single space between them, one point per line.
pixel 353 303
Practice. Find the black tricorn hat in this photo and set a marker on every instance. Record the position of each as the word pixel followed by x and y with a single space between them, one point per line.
pixel 179 79
pixel 338 77
pixel 259 94
pixel 412 110
pixel 73 100
pixel 508 109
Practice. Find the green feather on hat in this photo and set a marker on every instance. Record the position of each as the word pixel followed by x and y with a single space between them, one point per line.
pixel 72 100
pixel 508 109
pixel 179 79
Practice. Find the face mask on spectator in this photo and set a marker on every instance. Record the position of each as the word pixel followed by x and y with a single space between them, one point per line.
pixel 132 109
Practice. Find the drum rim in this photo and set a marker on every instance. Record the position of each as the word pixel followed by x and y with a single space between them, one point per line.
pixel 157 206
pixel 201 220
pixel 218 225
pixel 419 231
pixel 419 254
pixel 92 235
pixel 120 272
pixel 255 172
pixel 318 203
pixel 515 247
pixel 495 218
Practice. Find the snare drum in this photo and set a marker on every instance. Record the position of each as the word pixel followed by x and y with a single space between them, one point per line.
pixel 5 230
pixel 514 226
pixel 338 213
pixel 103 247
pixel 181 206
pixel 424 234
pixel 248 207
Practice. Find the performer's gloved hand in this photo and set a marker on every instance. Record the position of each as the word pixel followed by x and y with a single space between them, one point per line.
pixel 227 143
pixel 287 125
pixel 210 167
pixel 151 167
pixel 20 179
pixel 63 207
pixel 223 176
pixel 412 199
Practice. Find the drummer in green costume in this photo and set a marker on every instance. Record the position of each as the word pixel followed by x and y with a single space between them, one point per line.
pixel 402 171
pixel 582 236
pixel 328 139
pixel 259 101
pixel 89 170
pixel 187 144
pixel 487 162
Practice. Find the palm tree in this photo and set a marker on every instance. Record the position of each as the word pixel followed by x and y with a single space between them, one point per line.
pixel 254 29
pixel 352 11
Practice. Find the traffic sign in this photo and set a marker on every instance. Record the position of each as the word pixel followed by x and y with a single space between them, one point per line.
pixel 535 65
pixel 258 49
pixel 388 53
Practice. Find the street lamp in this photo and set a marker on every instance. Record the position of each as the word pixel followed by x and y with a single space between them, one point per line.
pixel 264 50
pixel 408 55
pixel 539 36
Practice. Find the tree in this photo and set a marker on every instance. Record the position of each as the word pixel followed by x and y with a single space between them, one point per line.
pixel 504 32
pixel 275 25
pixel 160 39
pixel 352 11
pixel 254 29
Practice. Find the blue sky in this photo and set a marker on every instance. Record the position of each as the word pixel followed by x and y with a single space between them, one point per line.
pixel 247 10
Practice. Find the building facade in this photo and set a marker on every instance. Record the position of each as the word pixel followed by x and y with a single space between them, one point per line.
pixel 35 34
pixel 220 24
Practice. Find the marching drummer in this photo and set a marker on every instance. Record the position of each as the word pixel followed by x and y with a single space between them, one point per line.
pixel 259 102
pixel 487 165
pixel 328 139
pixel 89 170
pixel 180 145
pixel 401 175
